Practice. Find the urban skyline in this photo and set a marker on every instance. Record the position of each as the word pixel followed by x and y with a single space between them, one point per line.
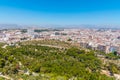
pixel 59 40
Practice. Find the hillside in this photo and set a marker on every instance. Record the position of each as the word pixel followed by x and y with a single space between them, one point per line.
pixel 35 61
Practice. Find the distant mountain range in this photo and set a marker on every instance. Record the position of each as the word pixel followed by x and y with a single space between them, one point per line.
pixel 17 26
pixel 10 26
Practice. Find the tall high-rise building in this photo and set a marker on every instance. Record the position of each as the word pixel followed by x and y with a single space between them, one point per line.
pixel 30 31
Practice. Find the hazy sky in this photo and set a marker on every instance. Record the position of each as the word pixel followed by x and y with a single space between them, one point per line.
pixel 60 11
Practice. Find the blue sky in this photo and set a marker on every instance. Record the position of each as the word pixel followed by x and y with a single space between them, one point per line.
pixel 60 11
